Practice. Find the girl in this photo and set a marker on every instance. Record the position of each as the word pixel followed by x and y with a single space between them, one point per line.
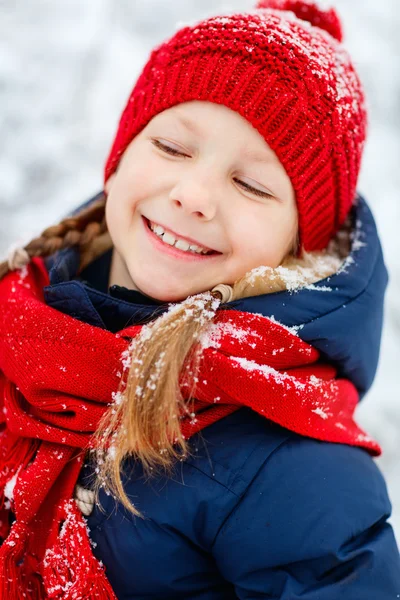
pixel 181 358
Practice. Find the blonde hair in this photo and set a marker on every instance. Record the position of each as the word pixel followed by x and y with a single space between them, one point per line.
pixel 143 422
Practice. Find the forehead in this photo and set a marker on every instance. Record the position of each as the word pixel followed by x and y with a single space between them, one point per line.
pixel 201 118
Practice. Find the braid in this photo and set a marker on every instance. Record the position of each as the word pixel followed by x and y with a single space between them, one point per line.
pixel 86 229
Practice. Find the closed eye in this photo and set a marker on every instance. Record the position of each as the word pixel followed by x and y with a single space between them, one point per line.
pixel 253 190
pixel 168 149
pixel 173 152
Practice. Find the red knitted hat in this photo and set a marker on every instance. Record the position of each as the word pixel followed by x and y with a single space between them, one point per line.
pixel 283 68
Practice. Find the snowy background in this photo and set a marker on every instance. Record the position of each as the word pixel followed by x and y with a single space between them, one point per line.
pixel 66 70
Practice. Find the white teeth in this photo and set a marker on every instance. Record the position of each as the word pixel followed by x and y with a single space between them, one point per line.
pixel 195 248
pixel 157 229
pixel 172 241
pixel 181 245
pixel 168 238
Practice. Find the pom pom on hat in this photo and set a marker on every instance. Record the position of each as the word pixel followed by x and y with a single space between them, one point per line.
pixel 309 11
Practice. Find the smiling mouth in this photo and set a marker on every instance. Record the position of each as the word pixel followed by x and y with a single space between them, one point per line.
pixel 177 242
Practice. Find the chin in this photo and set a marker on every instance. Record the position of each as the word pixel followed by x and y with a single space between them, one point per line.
pixel 165 295
pixel 169 293
pixel 160 292
pixel 163 287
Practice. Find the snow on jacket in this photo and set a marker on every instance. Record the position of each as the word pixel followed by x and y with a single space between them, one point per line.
pixel 258 511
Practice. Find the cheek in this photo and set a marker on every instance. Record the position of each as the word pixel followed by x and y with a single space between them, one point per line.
pixel 262 240
pixel 128 191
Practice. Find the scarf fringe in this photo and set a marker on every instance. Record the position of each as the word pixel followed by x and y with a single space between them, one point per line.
pixel 15 455
pixel 16 579
pixel 70 571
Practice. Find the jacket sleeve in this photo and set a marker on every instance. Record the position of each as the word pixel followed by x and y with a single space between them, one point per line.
pixel 312 525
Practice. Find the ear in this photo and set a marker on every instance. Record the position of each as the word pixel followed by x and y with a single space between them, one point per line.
pixel 108 184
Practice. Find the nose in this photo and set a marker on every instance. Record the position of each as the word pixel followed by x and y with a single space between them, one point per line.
pixel 194 198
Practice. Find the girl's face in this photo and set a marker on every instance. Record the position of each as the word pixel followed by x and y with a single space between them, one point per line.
pixel 204 178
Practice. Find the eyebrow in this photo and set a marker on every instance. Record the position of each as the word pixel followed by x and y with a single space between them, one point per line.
pixel 247 152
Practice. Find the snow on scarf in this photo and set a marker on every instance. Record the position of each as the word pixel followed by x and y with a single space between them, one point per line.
pixel 58 375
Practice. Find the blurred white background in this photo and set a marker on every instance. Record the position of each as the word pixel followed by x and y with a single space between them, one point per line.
pixel 66 70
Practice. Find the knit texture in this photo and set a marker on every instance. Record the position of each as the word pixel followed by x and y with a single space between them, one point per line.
pixel 290 77
pixel 58 376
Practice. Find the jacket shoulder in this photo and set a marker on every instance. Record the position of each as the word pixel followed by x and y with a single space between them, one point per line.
pixel 232 450
pixel 315 513
pixel 288 474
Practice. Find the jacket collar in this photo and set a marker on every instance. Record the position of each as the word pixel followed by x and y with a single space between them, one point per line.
pixel 88 298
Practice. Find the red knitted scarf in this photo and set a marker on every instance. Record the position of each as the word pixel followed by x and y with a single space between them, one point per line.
pixel 57 376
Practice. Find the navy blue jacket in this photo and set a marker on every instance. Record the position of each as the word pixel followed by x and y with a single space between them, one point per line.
pixel 258 511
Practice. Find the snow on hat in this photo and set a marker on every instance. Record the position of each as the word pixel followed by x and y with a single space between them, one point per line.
pixel 283 68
